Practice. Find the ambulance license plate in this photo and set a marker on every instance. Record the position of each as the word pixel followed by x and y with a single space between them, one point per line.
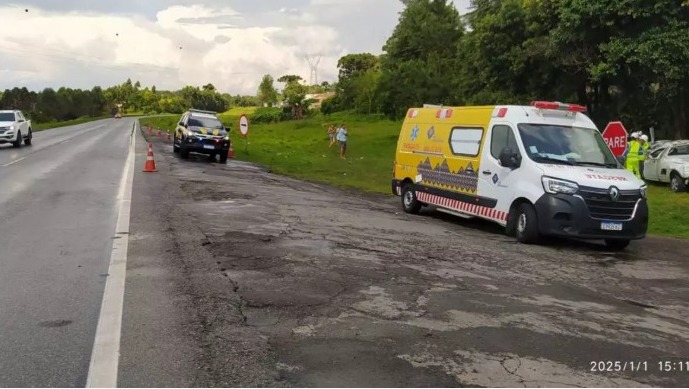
pixel 611 226
pixel 209 147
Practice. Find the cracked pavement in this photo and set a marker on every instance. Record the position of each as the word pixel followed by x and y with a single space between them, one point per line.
pixel 238 277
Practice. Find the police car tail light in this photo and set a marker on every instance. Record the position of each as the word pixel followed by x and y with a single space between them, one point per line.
pixel 558 106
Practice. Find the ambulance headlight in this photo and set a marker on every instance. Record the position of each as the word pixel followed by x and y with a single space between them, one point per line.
pixel 556 186
pixel 643 190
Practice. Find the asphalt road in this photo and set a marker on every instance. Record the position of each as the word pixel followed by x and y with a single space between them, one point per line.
pixel 238 277
pixel 57 221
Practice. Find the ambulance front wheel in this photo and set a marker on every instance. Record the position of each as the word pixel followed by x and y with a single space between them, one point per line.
pixel 526 224
pixel 410 203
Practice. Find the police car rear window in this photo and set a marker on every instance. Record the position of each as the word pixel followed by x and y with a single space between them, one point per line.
pixel 204 122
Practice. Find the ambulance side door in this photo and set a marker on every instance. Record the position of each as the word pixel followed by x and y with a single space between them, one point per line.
pixel 496 181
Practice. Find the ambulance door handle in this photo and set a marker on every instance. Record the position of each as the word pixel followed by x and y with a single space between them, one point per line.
pixel 487 172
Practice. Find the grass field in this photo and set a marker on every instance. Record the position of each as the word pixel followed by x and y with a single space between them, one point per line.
pixel 300 150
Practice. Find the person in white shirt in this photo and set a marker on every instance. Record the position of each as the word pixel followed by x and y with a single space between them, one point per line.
pixel 342 139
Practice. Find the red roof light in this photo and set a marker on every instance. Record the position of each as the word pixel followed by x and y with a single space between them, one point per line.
pixel 558 106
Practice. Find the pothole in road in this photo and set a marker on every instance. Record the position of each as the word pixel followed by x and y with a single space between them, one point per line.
pixel 55 323
pixel 265 290
pixel 204 191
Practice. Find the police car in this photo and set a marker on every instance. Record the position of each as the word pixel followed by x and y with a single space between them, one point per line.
pixel 201 132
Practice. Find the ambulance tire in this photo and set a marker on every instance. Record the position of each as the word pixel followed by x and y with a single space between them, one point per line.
pixel 526 228
pixel 410 204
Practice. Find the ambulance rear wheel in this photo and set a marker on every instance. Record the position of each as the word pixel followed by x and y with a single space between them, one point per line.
pixel 410 203
pixel 526 228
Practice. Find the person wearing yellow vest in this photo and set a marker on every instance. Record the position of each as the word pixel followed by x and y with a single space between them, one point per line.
pixel 643 150
pixel 632 155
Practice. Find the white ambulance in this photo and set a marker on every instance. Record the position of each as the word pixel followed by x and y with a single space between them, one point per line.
pixel 538 170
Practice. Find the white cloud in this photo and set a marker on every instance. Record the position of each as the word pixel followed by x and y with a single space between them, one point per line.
pixel 185 44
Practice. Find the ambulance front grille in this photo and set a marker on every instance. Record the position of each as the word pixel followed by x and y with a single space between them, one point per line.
pixel 601 206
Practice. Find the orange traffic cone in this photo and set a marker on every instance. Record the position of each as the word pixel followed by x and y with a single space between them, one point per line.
pixel 159 133
pixel 168 136
pixel 150 166
pixel 230 152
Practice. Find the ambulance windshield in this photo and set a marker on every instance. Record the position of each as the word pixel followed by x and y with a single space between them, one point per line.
pixel 557 144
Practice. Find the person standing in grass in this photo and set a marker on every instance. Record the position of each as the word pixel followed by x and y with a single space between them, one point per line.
pixel 342 138
pixel 331 135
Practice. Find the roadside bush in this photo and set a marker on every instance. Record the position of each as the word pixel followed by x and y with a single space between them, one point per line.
pixel 331 105
pixel 269 115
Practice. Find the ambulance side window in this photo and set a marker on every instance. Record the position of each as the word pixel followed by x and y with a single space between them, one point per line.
pixel 502 137
pixel 466 141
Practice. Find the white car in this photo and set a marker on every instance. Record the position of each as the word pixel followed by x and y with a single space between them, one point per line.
pixel 15 128
pixel 669 163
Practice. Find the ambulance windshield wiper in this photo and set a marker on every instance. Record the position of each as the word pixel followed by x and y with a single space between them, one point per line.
pixel 611 165
pixel 549 159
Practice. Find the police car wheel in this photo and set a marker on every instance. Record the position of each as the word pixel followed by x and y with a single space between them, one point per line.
pixel 175 148
pixel 410 204
pixel 526 229
pixel 617 244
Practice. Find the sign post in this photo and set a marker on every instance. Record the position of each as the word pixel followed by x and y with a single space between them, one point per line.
pixel 244 130
pixel 615 136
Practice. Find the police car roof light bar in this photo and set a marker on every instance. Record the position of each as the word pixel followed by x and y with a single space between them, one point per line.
pixel 202 111
pixel 558 106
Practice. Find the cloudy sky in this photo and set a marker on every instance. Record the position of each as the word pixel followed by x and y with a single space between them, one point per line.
pixel 171 43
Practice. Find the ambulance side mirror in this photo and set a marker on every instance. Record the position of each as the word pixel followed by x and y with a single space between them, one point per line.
pixel 509 159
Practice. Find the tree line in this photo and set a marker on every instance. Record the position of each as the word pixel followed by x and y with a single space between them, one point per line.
pixel 623 60
pixel 63 104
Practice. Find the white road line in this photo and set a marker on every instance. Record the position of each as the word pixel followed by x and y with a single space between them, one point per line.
pixel 106 347
pixel 13 162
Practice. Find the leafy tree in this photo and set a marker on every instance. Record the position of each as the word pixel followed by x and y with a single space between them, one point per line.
pixel 267 94
pixel 352 68
pixel 420 56
pixel 630 60
pixel 294 95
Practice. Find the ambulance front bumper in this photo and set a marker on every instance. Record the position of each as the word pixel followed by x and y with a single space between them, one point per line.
pixel 591 216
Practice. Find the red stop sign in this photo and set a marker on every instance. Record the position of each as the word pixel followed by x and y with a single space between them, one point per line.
pixel 615 136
